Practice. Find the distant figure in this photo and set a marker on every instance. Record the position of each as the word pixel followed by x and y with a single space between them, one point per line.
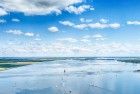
pixel 64 71
pixel 70 92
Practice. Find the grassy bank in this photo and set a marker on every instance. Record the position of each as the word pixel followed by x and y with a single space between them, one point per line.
pixel 2 69
pixel 5 66
pixel 7 63
pixel 17 64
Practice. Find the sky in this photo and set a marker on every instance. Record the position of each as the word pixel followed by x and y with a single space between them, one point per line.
pixel 40 28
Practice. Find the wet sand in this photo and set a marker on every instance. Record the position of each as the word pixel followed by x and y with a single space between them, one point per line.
pixel 72 77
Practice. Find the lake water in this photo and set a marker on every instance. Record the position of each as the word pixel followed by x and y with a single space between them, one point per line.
pixel 72 77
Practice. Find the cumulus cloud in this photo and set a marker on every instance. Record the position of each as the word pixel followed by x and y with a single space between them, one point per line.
pixel 37 39
pixel 66 23
pixel 102 26
pixel 3 12
pixel 63 49
pixel 86 36
pixel 53 29
pixel 92 25
pixel 80 26
pixel 133 22
pixel 2 21
pixel 19 32
pixel 79 10
pixel 103 20
pixel 85 20
pixel 15 20
pixel 98 37
pixel 95 37
pixel 72 40
pixel 35 7
pixel 30 34
pixel 85 40
pixel 15 32
pixel 114 25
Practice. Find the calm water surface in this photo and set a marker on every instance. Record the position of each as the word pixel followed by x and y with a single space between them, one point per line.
pixel 72 77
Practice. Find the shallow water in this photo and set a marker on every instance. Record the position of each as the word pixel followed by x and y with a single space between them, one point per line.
pixel 72 77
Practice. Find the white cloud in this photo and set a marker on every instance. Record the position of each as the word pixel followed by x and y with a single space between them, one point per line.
pixel 35 7
pixel 114 25
pixel 15 32
pixel 2 21
pixel 85 20
pixel 103 20
pixel 15 20
pixel 86 37
pixel 19 32
pixel 98 25
pixel 85 40
pixel 67 23
pixel 53 29
pixel 82 19
pixel 80 26
pixel 63 49
pixel 91 25
pixel 101 26
pixel 72 40
pixel 95 37
pixel 98 37
pixel 30 34
pixel 79 10
pixel 3 12
pixel 37 39
pixel 133 22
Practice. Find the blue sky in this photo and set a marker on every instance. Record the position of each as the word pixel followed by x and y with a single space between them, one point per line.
pixel 69 28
